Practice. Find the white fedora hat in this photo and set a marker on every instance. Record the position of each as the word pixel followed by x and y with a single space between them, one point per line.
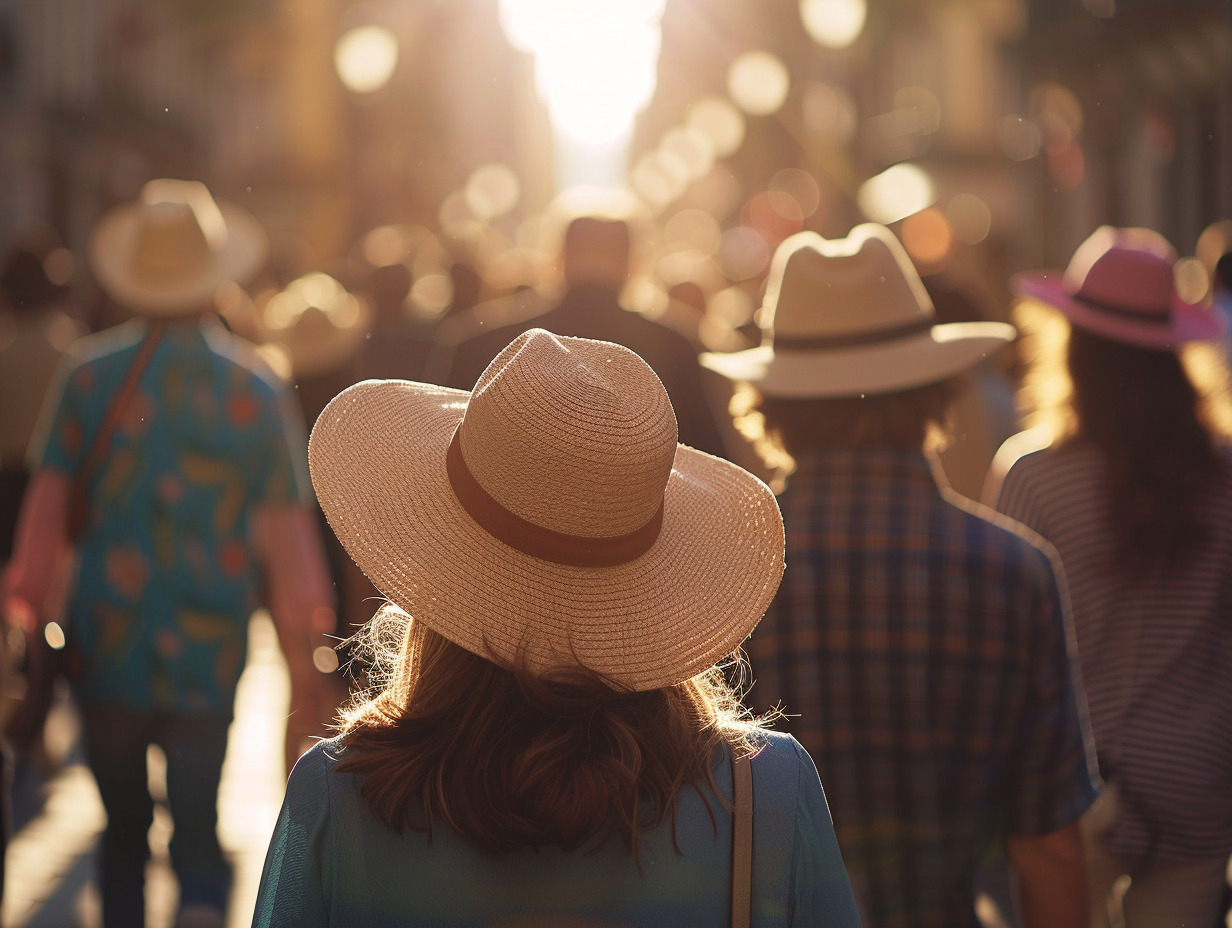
pixel 549 518
pixel 849 316
pixel 168 252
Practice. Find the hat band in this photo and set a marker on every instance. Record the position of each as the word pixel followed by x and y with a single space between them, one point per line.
pixel 1148 317
pixel 828 342
pixel 535 540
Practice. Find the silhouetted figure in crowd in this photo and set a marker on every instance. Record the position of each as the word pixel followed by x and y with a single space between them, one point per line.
pixel 595 261
pixel 919 649
pixel 173 459
pixel 551 742
pixel 1135 492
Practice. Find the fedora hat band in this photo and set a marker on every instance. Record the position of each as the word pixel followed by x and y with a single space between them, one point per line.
pixel 1156 317
pixel 535 540
pixel 853 340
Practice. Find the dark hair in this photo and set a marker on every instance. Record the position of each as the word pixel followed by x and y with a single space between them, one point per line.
pixel 1142 411
pixel 509 759
pixel 908 420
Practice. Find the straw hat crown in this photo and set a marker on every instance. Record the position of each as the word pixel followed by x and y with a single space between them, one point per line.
pixel 550 518
pixel 576 438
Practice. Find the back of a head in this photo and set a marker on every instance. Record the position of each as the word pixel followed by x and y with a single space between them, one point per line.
pixel 597 252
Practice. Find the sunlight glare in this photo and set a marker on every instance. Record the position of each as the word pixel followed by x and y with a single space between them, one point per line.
pixel 833 23
pixel 595 62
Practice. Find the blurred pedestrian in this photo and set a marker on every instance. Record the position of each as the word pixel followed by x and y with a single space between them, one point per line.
pixel 596 257
pixel 171 457
pixel 553 744
pixel 1137 497
pixel 919 649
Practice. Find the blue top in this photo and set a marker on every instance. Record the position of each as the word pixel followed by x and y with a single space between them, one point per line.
pixel 332 863
pixel 167 577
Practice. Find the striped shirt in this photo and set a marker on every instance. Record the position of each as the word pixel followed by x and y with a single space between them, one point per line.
pixel 923 652
pixel 1156 656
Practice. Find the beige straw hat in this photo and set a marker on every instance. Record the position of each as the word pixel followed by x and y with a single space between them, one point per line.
pixel 845 317
pixel 550 516
pixel 167 253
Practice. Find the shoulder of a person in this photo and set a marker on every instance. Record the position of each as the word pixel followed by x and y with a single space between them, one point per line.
pixel 239 352
pixel 999 535
pixel 781 758
pixel 98 347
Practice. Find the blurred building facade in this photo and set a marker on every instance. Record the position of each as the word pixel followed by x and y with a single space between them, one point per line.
pixel 1030 122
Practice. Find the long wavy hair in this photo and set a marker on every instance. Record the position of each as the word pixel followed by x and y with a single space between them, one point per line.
pixel 509 759
pixel 1155 416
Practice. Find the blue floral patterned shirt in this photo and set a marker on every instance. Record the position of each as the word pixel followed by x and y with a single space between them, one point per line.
pixel 166 576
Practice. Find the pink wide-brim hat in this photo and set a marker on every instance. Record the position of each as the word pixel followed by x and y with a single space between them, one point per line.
pixel 1120 285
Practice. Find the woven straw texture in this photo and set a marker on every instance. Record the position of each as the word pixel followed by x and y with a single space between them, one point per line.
pixel 572 435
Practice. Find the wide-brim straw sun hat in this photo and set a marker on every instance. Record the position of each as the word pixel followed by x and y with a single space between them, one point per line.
pixel 168 252
pixel 850 316
pixel 1120 284
pixel 549 518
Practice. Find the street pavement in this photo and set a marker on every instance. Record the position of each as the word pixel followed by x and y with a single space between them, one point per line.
pixel 49 868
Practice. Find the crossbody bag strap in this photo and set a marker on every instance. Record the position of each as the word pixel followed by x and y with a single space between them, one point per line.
pixel 78 504
pixel 742 841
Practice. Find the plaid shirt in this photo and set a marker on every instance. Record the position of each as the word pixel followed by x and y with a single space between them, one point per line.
pixel 924 654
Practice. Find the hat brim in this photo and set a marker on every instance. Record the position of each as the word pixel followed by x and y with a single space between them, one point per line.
pixel 1186 322
pixel 883 367
pixel 377 458
pixel 111 249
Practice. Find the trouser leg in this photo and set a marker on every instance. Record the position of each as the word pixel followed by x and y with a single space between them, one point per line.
pixel 116 743
pixel 195 749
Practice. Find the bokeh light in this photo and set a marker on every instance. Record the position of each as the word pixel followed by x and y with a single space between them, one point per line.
pixel 829 111
pixel 970 218
pixel 928 239
pixel 692 148
pixel 758 83
pixel 721 122
pixel 896 193
pixel 365 58
pixel 431 295
pixel 492 191
pixel 770 216
pixel 743 253
pixel 1019 137
pixel 652 182
pixel 692 229
pixel 1193 285
pixel 833 23
pixel 794 193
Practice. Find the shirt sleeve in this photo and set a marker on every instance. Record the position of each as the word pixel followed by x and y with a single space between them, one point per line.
pixel 1053 773
pixel 821 888
pixel 282 467
pixel 59 437
pixel 298 863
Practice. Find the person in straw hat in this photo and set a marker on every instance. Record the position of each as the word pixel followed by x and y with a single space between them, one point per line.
pixel 919 649
pixel 553 743
pixel 172 459
pixel 1135 492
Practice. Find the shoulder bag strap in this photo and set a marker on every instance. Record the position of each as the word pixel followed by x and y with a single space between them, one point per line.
pixel 78 504
pixel 742 840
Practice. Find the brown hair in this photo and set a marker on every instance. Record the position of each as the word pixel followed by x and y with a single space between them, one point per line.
pixel 509 759
pixel 908 420
pixel 1154 415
